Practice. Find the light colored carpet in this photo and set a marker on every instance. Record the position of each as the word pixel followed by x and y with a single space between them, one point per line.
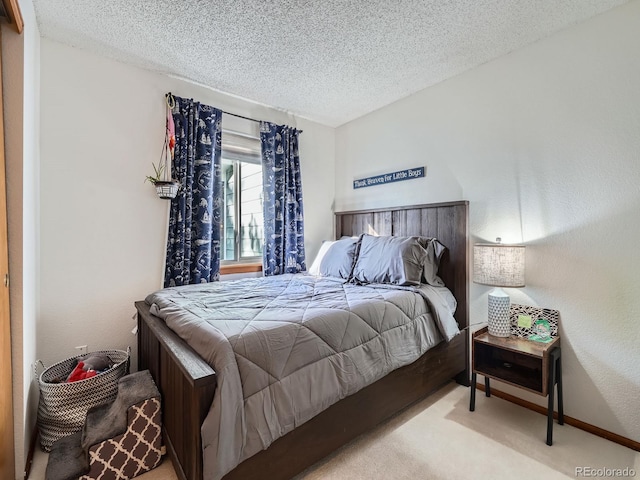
pixel 438 439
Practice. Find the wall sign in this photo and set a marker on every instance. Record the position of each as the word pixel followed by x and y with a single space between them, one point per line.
pixel 408 174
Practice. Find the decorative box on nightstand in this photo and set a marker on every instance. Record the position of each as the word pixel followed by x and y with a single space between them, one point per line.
pixel 527 364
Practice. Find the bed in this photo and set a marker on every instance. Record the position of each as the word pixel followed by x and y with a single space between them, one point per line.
pixel 188 383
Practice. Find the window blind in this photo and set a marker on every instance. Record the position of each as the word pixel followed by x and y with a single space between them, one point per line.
pixel 241 147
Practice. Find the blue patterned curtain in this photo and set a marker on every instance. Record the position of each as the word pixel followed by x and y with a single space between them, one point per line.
pixel 283 213
pixel 193 244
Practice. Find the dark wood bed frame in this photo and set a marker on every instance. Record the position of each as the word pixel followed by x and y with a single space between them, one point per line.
pixel 187 382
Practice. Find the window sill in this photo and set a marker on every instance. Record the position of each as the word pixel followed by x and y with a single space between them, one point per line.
pixel 240 268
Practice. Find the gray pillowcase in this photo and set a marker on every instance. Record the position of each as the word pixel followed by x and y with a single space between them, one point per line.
pixel 435 250
pixel 335 258
pixel 388 259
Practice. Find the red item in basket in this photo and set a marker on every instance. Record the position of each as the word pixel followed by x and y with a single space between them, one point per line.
pixel 79 373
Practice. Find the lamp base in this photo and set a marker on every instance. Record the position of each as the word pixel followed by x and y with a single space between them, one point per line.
pixel 498 318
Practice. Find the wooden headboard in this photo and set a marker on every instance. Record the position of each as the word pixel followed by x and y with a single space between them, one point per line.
pixel 448 222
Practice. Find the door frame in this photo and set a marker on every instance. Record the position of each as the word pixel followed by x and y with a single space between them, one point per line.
pixel 7 437
pixel 7 447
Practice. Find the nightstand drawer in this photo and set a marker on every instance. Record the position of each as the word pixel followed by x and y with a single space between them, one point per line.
pixel 514 360
pixel 508 366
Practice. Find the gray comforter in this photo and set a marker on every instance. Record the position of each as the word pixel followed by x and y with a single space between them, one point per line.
pixel 287 347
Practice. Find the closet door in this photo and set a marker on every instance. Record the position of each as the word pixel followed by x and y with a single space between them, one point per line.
pixel 7 458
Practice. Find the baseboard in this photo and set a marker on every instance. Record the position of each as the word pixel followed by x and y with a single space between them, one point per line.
pixel 574 422
pixel 30 453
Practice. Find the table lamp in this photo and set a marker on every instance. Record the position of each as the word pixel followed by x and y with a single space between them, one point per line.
pixel 498 265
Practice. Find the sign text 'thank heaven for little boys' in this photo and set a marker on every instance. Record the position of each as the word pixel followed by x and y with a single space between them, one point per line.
pixel 408 174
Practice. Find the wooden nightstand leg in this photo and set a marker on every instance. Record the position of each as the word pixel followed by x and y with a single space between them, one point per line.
pixel 472 402
pixel 487 387
pixel 550 388
pixel 559 375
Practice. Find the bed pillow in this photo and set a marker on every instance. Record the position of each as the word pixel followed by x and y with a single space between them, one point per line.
pixel 335 258
pixel 388 259
pixel 435 250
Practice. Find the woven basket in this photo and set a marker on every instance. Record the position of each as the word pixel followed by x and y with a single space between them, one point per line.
pixel 63 407
pixel 167 189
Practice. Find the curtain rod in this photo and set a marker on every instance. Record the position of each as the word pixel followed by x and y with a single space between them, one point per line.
pixel 247 118
pixel 241 116
pixel 228 113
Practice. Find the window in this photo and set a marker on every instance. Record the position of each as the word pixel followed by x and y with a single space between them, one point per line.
pixel 242 229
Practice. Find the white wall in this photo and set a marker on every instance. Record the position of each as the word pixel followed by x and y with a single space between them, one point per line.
pixel 545 144
pixel 21 65
pixel 104 229
pixel 31 212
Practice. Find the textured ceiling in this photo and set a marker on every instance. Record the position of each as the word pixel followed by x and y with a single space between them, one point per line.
pixel 327 60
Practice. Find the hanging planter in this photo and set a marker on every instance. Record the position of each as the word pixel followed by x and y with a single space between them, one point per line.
pixel 166 187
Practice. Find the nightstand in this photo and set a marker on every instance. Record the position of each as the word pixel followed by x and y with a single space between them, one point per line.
pixel 532 366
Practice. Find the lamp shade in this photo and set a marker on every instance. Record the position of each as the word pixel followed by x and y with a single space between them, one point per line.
pixel 498 265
